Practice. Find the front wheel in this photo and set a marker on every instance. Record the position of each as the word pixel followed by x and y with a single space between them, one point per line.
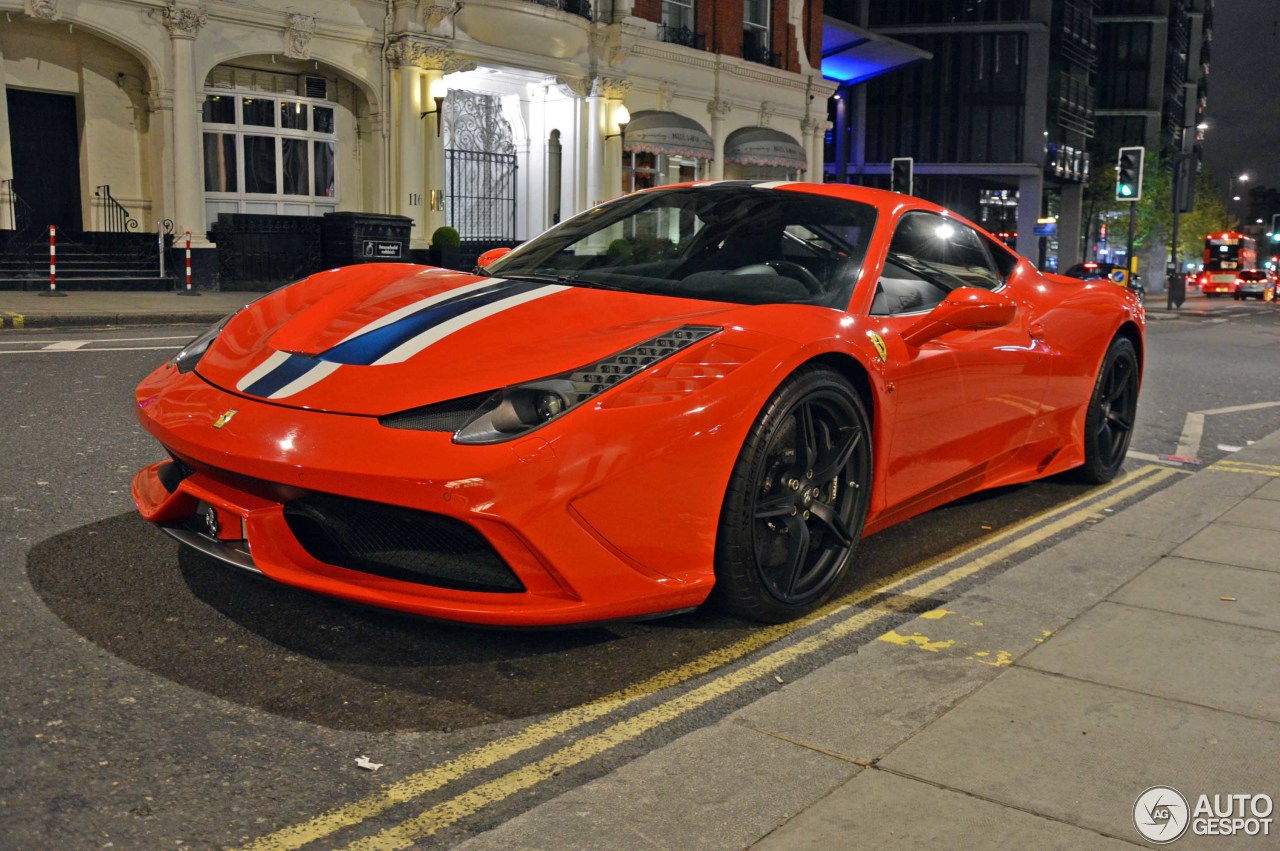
pixel 1108 425
pixel 796 501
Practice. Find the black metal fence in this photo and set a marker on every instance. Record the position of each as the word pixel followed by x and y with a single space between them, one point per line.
pixel 481 198
pixel 115 218
pixel 259 252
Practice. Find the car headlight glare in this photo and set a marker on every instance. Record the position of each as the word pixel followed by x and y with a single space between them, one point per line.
pixel 191 353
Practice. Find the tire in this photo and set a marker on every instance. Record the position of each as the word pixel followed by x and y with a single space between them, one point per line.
pixel 1108 426
pixel 795 506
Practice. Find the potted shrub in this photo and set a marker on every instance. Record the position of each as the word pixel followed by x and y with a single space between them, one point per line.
pixel 445 248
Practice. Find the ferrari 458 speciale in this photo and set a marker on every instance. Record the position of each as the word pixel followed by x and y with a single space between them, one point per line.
pixel 698 393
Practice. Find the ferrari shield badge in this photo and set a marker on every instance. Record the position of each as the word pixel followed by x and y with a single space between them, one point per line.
pixel 875 341
pixel 224 419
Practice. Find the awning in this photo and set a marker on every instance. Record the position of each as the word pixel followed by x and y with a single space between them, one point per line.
pixel 854 55
pixel 764 146
pixel 654 132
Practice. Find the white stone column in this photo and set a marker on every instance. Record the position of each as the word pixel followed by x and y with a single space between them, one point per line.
pixel 813 154
pixel 594 142
pixel 615 91
pixel 435 213
pixel 6 152
pixel 186 206
pixel 718 108
pixel 408 190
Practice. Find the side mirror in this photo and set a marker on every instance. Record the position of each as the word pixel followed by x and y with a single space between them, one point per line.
pixel 491 255
pixel 964 309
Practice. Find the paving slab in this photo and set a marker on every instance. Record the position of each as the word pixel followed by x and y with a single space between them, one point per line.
pixel 721 787
pixel 1182 510
pixel 1078 572
pixel 1257 513
pixel 1238 545
pixel 1229 481
pixel 1082 753
pixel 1271 490
pixel 1219 665
pixel 880 810
pixel 1196 588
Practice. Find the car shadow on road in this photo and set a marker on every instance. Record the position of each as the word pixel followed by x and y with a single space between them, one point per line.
pixel 126 587
pixel 123 585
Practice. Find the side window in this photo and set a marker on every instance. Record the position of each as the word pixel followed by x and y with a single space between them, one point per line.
pixel 929 256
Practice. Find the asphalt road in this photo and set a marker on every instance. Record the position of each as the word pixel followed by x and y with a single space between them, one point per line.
pixel 155 699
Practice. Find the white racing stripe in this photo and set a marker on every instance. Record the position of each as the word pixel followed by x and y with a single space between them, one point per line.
pixel 261 370
pixel 302 382
pixel 434 335
pixel 397 315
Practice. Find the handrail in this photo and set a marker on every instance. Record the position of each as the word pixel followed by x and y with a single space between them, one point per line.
pixel 20 212
pixel 117 218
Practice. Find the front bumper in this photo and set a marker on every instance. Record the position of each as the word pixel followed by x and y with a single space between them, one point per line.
pixel 540 513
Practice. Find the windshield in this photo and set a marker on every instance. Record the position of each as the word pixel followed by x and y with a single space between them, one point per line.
pixel 717 243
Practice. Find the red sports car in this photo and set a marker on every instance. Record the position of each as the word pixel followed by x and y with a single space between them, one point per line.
pixel 702 392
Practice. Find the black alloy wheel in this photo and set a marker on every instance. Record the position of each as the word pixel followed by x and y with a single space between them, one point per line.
pixel 797 499
pixel 1109 422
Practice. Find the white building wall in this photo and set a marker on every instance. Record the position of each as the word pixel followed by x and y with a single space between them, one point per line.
pixel 118 58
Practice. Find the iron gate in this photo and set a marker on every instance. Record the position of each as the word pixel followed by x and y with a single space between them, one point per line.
pixel 481 196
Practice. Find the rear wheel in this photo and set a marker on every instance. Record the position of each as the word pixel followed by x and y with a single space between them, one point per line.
pixel 796 501
pixel 1108 426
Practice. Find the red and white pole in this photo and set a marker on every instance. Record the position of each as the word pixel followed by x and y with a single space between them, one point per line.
pixel 188 236
pixel 53 263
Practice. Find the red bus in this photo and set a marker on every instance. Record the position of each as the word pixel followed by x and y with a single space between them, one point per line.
pixel 1225 254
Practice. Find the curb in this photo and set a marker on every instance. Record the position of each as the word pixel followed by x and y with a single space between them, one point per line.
pixel 18 321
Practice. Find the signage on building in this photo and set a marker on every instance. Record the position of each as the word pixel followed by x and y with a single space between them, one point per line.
pixel 380 249
pixel 1046 227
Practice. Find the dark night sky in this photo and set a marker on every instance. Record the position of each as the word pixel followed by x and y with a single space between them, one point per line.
pixel 1244 109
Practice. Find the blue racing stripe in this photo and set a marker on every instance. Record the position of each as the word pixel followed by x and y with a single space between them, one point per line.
pixel 367 348
pixel 291 370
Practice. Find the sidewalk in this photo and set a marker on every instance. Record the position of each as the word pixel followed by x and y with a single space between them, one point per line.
pixel 1029 712
pixel 97 308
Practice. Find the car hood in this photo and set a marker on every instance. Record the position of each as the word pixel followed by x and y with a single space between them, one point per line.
pixel 381 338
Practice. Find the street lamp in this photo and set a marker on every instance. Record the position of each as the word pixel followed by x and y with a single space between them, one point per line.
pixel 1243 178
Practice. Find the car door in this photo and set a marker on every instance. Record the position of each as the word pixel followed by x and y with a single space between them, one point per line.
pixel 965 400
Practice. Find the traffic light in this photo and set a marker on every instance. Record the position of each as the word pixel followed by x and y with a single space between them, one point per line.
pixel 1275 227
pixel 900 174
pixel 1129 174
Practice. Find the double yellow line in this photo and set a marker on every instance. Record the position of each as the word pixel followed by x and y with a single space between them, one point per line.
pixel 947 570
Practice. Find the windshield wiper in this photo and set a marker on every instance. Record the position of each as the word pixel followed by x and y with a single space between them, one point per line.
pixel 564 280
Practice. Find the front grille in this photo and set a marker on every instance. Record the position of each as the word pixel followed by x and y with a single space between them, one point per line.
pixel 398 543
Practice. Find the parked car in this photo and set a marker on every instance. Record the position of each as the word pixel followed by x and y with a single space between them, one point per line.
pixel 1093 271
pixel 1253 284
pixel 692 393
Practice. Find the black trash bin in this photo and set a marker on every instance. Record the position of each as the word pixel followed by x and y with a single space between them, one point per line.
pixel 365 238
pixel 1177 290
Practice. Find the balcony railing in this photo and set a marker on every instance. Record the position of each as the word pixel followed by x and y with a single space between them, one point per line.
pixel 755 49
pixel 682 35
pixel 582 8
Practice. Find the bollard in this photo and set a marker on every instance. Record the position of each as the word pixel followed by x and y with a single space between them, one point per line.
pixel 188 290
pixel 53 263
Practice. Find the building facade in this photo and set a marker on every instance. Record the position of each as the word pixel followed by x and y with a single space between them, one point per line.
pixel 997 120
pixel 497 117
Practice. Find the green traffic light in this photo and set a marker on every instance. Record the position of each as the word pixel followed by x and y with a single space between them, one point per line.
pixel 1126 189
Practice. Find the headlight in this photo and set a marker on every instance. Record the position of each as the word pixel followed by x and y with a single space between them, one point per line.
pixel 191 353
pixel 517 410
